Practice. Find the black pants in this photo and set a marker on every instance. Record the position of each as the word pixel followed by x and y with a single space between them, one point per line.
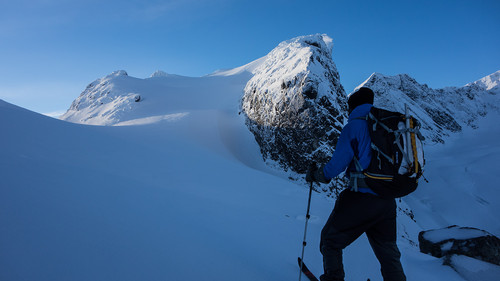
pixel 354 214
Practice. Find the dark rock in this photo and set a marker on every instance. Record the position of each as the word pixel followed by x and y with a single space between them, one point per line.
pixel 455 240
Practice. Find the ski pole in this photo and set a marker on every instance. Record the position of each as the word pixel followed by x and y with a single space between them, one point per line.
pixel 304 243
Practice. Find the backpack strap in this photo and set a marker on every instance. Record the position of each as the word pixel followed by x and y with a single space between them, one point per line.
pixel 356 176
pixel 377 122
pixel 380 152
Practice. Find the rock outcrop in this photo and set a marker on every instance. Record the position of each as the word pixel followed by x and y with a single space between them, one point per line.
pixel 295 104
pixel 455 240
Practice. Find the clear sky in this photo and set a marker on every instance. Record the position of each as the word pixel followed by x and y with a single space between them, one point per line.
pixel 50 50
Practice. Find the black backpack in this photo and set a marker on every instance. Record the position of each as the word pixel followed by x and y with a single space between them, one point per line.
pixel 397 153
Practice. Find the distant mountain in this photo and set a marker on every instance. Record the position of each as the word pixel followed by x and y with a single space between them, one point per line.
pixel 489 83
pixel 441 111
pixel 118 99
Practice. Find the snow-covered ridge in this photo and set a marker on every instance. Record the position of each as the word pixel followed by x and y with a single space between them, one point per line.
pixel 119 99
pixel 441 111
pixel 247 68
pixel 488 83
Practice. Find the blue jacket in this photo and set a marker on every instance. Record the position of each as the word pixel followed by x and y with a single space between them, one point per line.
pixel 354 140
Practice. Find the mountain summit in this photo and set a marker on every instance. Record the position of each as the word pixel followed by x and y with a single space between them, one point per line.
pixel 294 103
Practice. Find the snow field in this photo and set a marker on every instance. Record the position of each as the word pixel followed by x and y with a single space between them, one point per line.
pixel 158 202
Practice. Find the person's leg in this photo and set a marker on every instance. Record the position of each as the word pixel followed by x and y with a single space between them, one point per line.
pixel 345 224
pixel 382 237
pixel 332 244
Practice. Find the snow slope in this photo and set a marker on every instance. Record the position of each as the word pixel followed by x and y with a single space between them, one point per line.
pixel 183 199
pixel 463 180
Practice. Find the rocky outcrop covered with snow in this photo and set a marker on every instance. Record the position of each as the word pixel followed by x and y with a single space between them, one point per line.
pixel 295 104
pixel 467 241
pixel 441 111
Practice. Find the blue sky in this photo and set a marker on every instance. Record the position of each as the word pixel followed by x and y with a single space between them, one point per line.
pixel 50 50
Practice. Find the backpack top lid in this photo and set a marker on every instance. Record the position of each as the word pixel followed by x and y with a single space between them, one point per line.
pixel 361 96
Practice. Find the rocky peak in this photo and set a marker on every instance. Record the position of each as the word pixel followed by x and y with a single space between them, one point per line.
pixel 441 111
pixel 294 104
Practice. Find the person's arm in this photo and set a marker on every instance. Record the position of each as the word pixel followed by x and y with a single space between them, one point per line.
pixel 341 157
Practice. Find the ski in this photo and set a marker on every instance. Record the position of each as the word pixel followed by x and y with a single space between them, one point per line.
pixel 306 271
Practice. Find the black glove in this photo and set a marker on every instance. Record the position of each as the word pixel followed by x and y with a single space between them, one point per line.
pixel 311 171
pixel 316 175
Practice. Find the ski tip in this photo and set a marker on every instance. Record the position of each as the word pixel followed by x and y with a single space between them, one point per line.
pixel 300 261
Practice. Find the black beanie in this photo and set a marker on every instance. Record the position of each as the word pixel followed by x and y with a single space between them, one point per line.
pixel 361 96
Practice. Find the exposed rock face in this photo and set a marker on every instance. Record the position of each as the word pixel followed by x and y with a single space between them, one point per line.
pixel 441 111
pixel 295 105
pixel 467 241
